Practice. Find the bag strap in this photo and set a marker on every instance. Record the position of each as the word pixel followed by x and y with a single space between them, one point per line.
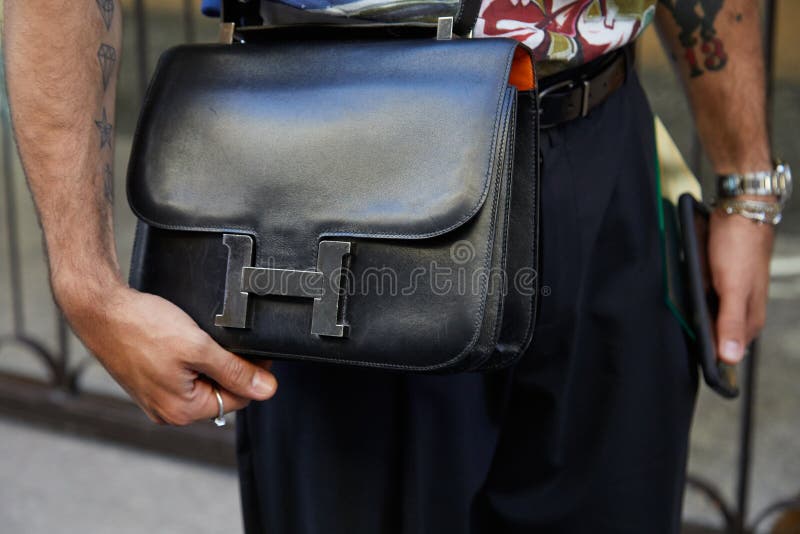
pixel 247 16
pixel 242 14
pixel 465 19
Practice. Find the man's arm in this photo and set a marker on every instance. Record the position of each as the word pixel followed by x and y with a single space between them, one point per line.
pixel 61 65
pixel 716 46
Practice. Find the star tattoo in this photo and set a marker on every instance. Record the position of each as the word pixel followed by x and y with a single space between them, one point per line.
pixel 104 127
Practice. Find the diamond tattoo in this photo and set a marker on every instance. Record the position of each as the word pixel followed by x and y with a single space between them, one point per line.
pixel 104 127
pixel 107 11
pixel 107 57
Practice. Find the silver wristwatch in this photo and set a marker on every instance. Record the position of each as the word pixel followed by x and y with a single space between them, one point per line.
pixel 776 183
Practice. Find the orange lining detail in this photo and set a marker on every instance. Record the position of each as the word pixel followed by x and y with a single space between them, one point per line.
pixel 521 75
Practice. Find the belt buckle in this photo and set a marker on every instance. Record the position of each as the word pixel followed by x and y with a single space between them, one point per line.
pixel 568 85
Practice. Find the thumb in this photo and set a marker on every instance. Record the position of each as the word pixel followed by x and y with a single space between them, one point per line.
pixel 731 327
pixel 237 375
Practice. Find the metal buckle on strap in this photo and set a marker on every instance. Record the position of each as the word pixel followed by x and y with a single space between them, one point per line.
pixel 444 29
pixel 566 84
pixel 569 85
pixel 585 98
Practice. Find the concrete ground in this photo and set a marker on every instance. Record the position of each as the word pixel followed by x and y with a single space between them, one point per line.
pixel 57 483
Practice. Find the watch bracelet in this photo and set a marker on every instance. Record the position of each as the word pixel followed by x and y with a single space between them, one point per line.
pixel 777 181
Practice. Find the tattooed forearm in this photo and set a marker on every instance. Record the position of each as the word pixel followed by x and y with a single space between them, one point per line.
pixel 727 103
pixel 62 98
pixel 107 57
pixel 107 11
pixel 697 17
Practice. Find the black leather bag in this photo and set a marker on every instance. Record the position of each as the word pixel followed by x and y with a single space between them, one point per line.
pixel 365 201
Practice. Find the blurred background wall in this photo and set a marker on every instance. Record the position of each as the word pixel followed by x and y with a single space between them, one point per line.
pixel 82 467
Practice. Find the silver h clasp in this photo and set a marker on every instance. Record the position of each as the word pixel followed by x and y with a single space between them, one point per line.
pixel 322 284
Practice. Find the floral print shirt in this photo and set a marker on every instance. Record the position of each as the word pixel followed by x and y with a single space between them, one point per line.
pixel 562 33
pixel 565 33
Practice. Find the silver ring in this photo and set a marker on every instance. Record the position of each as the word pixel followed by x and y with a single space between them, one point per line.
pixel 219 420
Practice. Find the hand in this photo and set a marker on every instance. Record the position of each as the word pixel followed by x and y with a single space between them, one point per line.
pixel 739 254
pixel 163 359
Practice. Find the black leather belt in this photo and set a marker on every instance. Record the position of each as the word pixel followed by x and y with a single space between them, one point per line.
pixel 574 93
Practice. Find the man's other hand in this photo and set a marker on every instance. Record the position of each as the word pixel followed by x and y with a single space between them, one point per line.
pixel 739 255
pixel 163 359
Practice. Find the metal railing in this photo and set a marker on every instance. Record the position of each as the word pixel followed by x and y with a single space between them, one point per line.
pixel 60 402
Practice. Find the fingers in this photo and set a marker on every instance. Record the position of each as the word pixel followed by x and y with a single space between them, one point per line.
pixel 200 405
pixel 160 356
pixel 237 375
pixel 732 334
pixel 739 253
pixel 208 405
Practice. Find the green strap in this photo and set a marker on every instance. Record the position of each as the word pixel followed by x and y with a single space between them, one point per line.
pixel 660 201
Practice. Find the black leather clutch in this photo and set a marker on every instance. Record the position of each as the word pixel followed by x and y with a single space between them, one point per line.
pixel 367 201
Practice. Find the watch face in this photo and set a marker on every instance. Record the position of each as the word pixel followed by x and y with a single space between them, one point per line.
pixel 730 186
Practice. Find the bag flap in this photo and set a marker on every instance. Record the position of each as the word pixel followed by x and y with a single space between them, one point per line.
pixel 290 142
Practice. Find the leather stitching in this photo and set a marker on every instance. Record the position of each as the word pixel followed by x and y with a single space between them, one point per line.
pixel 496 125
pixel 476 323
pixel 344 232
pixel 535 172
pixel 509 178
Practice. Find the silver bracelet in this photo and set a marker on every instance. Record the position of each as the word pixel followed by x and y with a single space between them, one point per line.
pixel 759 211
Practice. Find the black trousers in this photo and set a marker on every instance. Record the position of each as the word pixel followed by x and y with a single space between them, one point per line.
pixel 587 433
